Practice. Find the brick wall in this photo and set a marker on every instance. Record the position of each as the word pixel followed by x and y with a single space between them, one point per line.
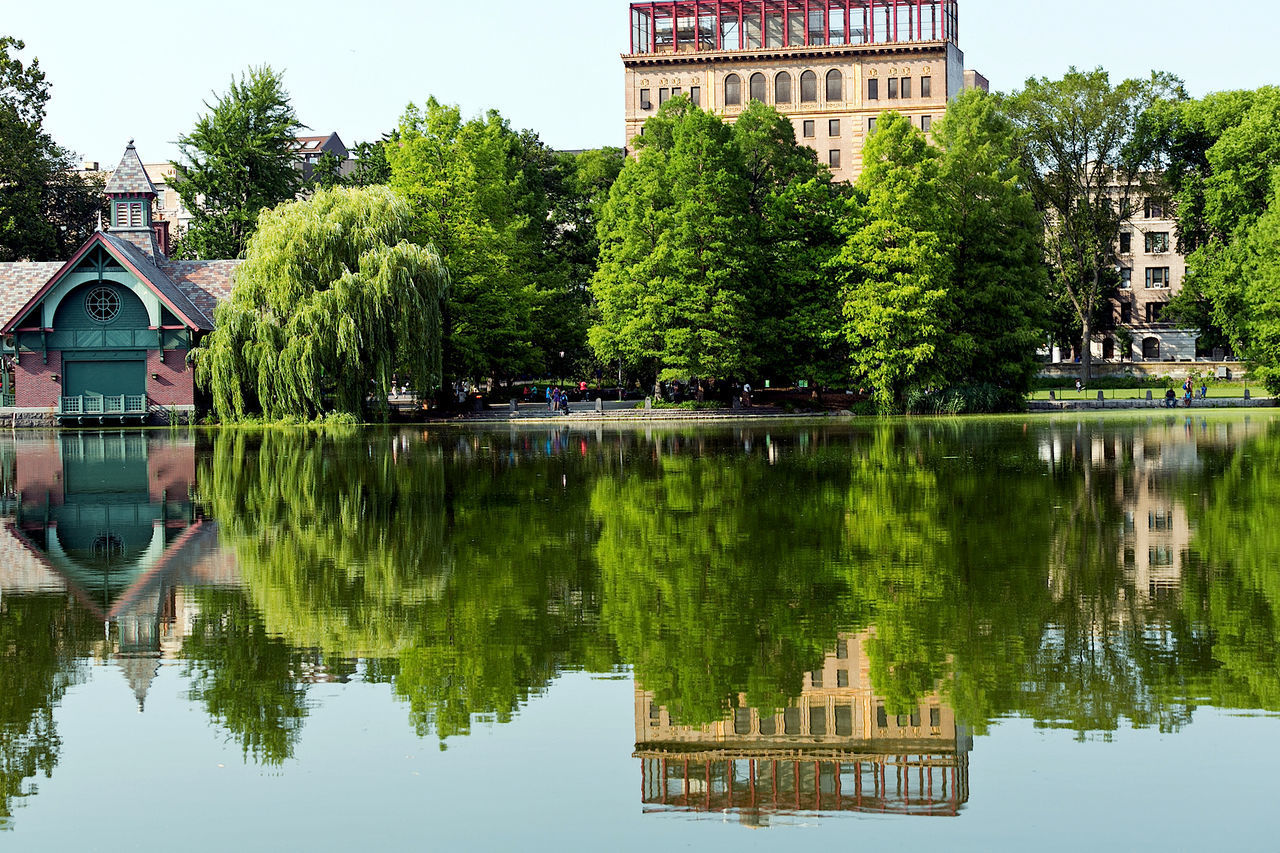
pixel 33 381
pixel 39 472
pixel 176 386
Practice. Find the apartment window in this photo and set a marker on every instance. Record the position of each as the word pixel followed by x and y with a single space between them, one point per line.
pixel 1157 278
pixel 809 131
pixel 664 95
pixel 1157 242
pixel 808 88
pixel 1126 242
pixel 833 158
pixel 873 89
pixel 817 721
pixel 1153 208
pixel 844 720
pixel 906 87
pixel 842 678
pixel 893 88
pixel 742 721
pixel 769 725
pixel 1126 278
pixel 782 88
pixel 1154 310
pixel 833 127
pixel 925 123
pixel 695 95
pixel 871 125
pixel 815 678
pixel 915 718
pixel 935 714
pixel 842 650
pixel 676 92
pixel 882 718
pixel 645 103
pixel 1126 312
pixel 758 88
pixel 926 87
pixel 791 721
pixel 835 85
pixel 732 91
pixel 1160 556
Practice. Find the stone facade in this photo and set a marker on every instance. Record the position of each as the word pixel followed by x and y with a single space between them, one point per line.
pixel 853 79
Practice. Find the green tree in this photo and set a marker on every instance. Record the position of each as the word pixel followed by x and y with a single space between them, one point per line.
pixel 472 200
pixel 47 209
pixel 326 172
pixel 238 161
pixel 673 284
pixel 1087 164
pixel 370 167
pixel 330 303
pixel 999 288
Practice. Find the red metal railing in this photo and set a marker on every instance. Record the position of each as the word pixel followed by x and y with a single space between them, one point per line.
pixel 727 25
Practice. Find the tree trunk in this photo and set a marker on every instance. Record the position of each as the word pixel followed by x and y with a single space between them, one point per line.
pixel 1086 350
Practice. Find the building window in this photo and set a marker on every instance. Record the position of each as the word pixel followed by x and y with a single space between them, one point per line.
pixel 833 158
pixel 758 88
pixel 935 714
pixel 871 125
pixel 782 88
pixel 808 88
pixel 1153 208
pixel 1126 278
pixel 873 90
pixel 1157 242
pixel 926 87
pixel 1154 310
pixel 817 721
pixel 809 131
pixel 1157 278
pixel 842 650
pixel 1126 312
pixel 893 88
pixel 815 678
pixel 842 678
pixel 1126 242
pixel 733 91
pixel 791 721
pixel 925 123
pixel 645 103
pixel 906 87
pixel 103 304
pixel 882 718
pixel 664 95
pixel 742 721
pixel 676 92
pixel 695 95
pixel 833 127
pixel 835 85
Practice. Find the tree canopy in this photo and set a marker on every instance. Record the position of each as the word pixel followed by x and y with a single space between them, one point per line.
pixel 47 208
pixel 332 301
pixel 237 161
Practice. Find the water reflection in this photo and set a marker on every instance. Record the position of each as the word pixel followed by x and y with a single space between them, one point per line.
pixel 835 747
pixel 1085 575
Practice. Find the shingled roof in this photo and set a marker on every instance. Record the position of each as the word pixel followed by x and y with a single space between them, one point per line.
pixel 130 177
pixel 161 281
pixel 21 281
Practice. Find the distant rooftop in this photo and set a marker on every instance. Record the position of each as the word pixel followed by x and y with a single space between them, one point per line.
pixel 714 26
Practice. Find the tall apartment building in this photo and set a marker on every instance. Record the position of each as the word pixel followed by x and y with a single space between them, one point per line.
pixel 831 66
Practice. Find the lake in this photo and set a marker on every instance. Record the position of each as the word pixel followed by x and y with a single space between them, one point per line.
pixel 1058 632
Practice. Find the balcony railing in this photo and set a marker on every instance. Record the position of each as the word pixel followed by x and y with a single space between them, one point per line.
pixel 94 405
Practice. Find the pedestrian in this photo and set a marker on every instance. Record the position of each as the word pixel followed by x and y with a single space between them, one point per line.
pixel 1204 389
pixel 1170 399
pixel 746 395
pixel 1186 392
pixel 1078 386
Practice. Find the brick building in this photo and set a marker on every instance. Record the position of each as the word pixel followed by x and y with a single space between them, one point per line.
pixel 831 66
pixel 104 336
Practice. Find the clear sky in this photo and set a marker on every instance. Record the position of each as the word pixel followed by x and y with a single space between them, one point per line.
pixel 143 68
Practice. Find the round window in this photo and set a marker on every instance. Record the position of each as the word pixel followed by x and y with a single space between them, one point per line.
pixel 103 304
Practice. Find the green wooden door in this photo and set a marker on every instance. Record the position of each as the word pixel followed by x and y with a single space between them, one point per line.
pixel 105 378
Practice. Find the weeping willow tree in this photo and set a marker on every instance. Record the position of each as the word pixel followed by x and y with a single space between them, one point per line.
pixel 331 302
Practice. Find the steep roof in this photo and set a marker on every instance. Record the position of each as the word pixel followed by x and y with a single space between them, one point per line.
pixel 178 300
pixel 19 282
pixel 130 177
pixel 206 283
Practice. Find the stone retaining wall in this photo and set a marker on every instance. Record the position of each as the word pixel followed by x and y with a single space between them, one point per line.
pixel 1156 403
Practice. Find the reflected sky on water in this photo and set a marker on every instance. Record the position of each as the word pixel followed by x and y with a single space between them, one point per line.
pixel 983 633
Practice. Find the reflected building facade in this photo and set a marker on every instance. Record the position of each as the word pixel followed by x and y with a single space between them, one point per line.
pixel 837 747
pixel 109 519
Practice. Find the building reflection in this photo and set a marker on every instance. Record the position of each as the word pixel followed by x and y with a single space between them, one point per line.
pixel 837 748
pixel 109 519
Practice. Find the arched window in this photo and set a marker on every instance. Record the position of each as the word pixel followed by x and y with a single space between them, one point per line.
pixel 782 88
pixel 732 90
pixel 808 88
pixel 758 88
pixel 1151 349
pixel 835 85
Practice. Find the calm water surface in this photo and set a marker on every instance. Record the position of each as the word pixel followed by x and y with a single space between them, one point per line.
pixel 991 634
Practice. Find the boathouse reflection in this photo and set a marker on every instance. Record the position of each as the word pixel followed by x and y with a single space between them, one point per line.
pixel 837 747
